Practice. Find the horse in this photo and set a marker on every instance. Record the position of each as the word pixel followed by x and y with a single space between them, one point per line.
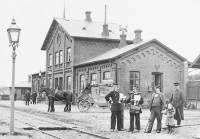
pixel 59 95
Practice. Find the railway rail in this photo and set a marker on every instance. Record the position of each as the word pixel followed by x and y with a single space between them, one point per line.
pixel 57 125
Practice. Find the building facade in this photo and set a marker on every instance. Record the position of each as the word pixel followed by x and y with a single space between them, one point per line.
pixel 143 65
pixel 37 80
pixel 69 42
pixel 81 51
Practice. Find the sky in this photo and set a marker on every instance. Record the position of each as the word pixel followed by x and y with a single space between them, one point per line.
pixel 176 23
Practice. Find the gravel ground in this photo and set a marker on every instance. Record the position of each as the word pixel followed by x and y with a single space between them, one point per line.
pixel 97 120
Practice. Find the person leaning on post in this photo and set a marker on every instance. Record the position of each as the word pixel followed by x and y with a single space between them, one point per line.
pixel 177 99
pixel 113 98
pixel 135 100
pixel 156 106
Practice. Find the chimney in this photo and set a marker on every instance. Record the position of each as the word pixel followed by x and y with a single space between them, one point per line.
pixel 137 36
pixel 88 16
pixel 105 30
pixel 105 25
pixel 122 38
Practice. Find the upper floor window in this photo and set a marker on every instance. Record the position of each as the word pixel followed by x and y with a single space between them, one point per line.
pixel 50 60
pixel 68 54
pixel 59 39
pixel 106 75
pixel 57 58
pixel 61 57
pixel 134 80
pixel 93 78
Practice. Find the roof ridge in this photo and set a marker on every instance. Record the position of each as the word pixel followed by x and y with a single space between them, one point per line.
pixel 85 21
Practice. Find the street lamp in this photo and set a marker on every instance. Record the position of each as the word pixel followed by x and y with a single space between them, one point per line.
pixel 13 36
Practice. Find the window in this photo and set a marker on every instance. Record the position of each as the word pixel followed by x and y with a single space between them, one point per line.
pixel 56 82
pixel 134 80
pixel 50 83
pixel 50 60
pixel 68 54
pixel 68 80
pixel 60 85
pixel 58 39
pixel 57 58
pixel 34 85
pixel 106 75
pixel 93 78
pixel 61 57
pixel 82 82
pixel 44 82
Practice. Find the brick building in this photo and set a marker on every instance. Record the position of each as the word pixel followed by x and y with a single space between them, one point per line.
pixel 37 80
pixel 80 51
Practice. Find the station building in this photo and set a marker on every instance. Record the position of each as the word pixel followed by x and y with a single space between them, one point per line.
pixel 81 51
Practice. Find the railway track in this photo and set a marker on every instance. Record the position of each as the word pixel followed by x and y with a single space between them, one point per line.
pixel 48 126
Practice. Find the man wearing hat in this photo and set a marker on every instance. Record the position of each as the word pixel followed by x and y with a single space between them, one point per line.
pixel 135 100
pixel 156 105
pixel 114 99
pixel 177 99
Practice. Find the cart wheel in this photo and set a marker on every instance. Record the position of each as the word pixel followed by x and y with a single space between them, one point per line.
pixel 83 106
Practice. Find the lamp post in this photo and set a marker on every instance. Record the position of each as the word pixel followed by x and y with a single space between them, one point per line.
pixel 13 36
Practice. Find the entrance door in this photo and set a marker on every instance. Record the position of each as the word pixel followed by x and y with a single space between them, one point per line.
pixel 157 80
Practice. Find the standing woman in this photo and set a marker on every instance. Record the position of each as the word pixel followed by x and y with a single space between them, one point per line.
pixel 135 100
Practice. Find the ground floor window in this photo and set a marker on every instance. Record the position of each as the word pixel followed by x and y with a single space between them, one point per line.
pixel 50 83
pixel 68 82
pixel 60 85
pixel 93 78
pixel 82 82
pixel 56 83
pixel 106 75
pixel 134 80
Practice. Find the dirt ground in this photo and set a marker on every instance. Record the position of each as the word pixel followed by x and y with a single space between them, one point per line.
pixel 97 120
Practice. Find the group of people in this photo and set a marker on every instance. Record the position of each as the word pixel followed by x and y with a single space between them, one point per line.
pixel 172 108
pixel 28 97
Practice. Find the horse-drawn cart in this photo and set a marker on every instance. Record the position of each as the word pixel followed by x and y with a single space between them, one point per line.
pixel 94 95
pixel 84 102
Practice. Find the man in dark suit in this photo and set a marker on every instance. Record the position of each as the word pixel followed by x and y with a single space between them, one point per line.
pixel 177 99
pixel 114 99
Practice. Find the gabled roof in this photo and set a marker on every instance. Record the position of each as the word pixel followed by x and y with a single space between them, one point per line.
pixel 196 63
pixel 85 29
pixel 116 52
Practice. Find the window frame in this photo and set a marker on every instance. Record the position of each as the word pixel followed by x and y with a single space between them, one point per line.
pixel 69 54
pixel 82 82
pixel 60 57
pixel 68 83
pixel 104 75
pixel 56 58
pixel 134 80
pixel 50 59
pixel 93 80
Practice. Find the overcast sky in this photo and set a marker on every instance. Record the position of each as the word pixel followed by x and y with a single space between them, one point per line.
pixel 176 23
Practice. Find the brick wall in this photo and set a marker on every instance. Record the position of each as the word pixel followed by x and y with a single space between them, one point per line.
pixel 88 48
pixel 151 59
